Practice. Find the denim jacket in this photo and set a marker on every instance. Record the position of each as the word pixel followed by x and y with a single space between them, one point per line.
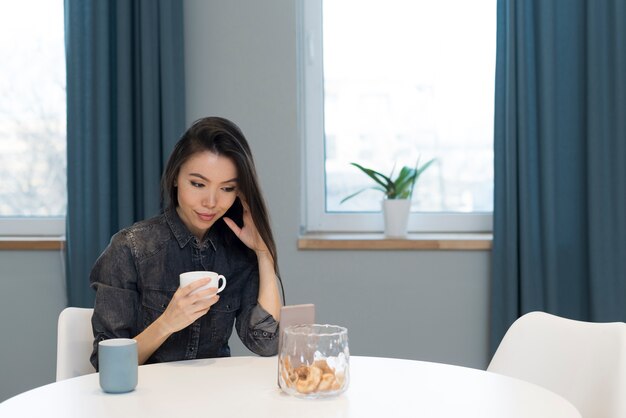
pixel 137 275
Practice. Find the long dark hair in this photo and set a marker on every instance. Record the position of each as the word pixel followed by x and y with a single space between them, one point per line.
pixel 222 137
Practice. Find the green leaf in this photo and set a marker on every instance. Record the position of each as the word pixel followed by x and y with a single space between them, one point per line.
pixel 419 170
pixel 360 191
pixel 379 178
pixel 424 167
pixel 400 188
pixel 405 180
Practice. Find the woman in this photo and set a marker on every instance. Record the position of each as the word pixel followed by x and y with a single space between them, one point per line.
pixel 215 219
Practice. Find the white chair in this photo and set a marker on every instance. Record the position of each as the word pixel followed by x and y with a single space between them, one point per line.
pixel 584 362
pixel 74 343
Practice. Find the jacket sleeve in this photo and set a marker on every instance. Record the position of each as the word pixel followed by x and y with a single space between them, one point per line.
pixel 257 329
pixel 116 307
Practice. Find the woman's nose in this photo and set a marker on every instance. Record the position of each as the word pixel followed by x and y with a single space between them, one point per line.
pixel 210 199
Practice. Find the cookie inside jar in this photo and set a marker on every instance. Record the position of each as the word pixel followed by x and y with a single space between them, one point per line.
pixel 314 360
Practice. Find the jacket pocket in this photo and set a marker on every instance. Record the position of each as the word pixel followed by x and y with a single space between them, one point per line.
pixel 153 304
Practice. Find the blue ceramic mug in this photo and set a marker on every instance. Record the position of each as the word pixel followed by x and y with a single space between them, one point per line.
pixel 117 363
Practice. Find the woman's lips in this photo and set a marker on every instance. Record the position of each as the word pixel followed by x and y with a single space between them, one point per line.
pixel 207 217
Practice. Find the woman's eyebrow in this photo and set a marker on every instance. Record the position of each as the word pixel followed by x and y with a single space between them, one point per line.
pixel 199 175
pixel 233 180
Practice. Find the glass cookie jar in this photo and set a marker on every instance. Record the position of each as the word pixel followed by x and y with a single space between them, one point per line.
pixel 314 361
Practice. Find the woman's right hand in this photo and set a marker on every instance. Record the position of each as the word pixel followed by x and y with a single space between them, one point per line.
pixel 185 307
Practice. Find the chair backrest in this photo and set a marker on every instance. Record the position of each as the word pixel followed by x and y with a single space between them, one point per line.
pixel 74 343
pixel 584 362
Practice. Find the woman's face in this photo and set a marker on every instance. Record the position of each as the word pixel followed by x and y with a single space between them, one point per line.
pixel 207 188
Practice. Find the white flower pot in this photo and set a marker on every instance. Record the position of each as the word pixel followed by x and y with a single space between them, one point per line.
pixel 396 213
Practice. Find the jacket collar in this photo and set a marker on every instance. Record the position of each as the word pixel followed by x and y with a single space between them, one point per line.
pixel 183 235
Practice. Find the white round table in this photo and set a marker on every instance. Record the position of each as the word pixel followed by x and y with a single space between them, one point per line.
pixel 246 387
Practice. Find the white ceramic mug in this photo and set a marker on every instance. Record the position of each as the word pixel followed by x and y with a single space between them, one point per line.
pixel 192 276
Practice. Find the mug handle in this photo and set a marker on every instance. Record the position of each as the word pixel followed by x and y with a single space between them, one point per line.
pixel 219 289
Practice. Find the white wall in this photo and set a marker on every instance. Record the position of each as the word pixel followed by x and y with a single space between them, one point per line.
pixel 241 64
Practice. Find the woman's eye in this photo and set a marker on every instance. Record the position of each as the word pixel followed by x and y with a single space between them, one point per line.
pixel 195 184
pixel 228 189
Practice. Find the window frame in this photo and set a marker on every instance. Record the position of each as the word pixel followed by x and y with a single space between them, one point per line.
pixel 44 227
pixel 314 216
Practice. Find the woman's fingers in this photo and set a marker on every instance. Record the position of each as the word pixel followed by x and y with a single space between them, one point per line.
pixel 188 304
pixel 203 294
pixel 201 299
pixel 248 234
pixel 206 302
pixel 189 289
pixel 233 226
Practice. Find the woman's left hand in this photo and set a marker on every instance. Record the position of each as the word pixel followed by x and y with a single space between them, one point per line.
pixel 248 234
pixel 268 298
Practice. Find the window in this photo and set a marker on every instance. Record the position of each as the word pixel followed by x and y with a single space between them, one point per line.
pixel 388 82
pixel 32 118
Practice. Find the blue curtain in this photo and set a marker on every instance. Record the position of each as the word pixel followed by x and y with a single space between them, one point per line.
pixel 560 161
pixel 125 111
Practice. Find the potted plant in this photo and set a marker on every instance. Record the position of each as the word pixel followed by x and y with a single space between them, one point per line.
pixel 398 193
